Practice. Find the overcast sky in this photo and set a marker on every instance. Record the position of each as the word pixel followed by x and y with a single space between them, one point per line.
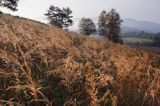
pixel 146 10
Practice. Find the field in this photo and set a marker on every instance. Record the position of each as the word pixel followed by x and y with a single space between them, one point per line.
pixel 41 65
pixel 136 40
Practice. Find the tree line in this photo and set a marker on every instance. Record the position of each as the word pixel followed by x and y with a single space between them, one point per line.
pixel 108 24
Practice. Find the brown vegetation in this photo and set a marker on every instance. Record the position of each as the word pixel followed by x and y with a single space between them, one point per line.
pixel 42 65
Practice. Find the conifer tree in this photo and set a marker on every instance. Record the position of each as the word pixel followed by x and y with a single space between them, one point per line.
pixel 61 18
pixel 10 4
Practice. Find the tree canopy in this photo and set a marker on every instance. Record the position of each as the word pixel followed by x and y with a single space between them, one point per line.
pixel 61 18
pixel 109 25
pixel 102 24
pixel 113 23
pixel 10 4
pixel 86 26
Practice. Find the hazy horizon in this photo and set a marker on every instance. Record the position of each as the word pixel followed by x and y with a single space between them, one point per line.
pixel 142 10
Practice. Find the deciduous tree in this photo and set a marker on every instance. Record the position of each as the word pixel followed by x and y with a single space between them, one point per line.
pixel 113 23
pixel 86 26
pixel 102 29
pixel 109 25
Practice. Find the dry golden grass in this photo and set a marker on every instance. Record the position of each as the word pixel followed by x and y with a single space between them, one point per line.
pixel 42 65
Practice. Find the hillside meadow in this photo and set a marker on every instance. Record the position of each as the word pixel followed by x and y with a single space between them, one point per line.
pixel 41 65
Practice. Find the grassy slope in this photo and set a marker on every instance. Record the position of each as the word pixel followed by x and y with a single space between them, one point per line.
pixel 44 65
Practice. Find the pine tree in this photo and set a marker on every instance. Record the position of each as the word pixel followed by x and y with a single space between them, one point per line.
pixel 113 23
pixel 10 4
pixel 68 18
pixel 102 24
pixel 59 17
pixel 86 26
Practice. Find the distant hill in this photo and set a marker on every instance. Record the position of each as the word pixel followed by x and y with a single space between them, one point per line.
pixel 128 25
pixel 126 29
pixel 131 25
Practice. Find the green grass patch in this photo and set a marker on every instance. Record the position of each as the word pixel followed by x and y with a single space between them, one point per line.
pixel 136 40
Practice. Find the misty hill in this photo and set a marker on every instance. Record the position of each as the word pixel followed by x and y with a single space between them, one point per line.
pixel 128 25
pixel 41 65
